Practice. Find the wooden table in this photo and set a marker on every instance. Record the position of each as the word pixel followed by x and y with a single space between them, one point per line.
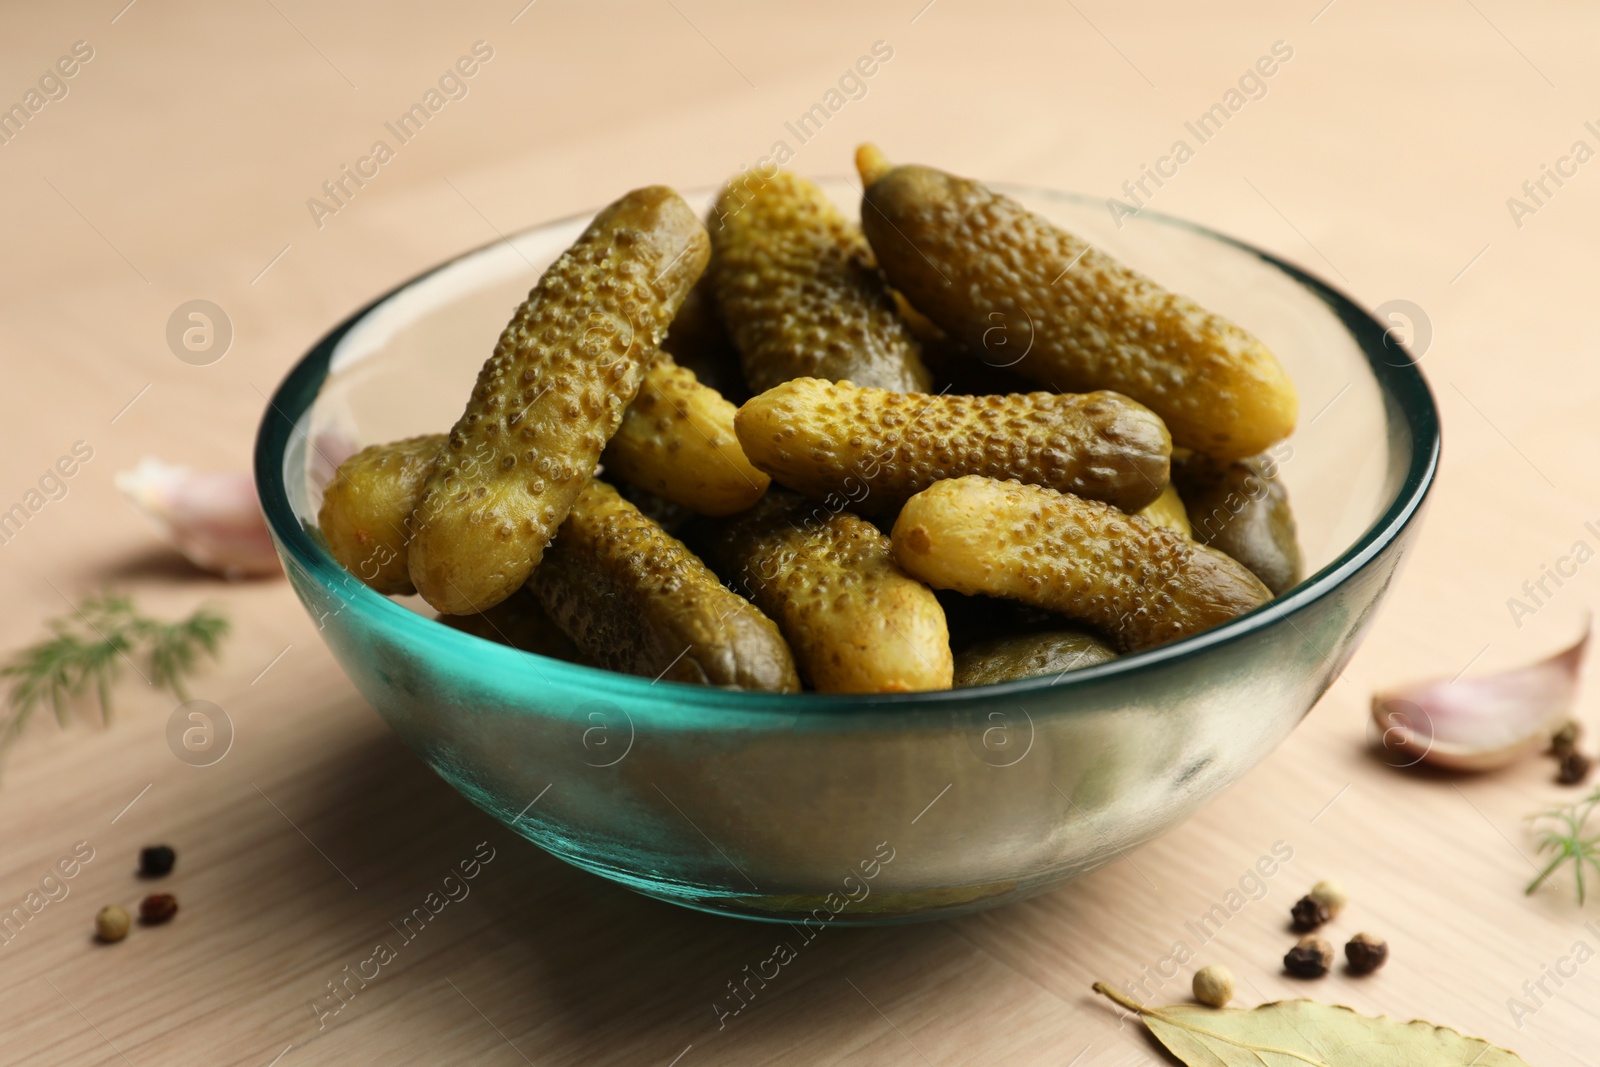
pixel 178 166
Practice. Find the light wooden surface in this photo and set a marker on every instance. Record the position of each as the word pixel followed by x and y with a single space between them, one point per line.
pixel 178 167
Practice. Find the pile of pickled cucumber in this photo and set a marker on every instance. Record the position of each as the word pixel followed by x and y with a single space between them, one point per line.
pixel 775 450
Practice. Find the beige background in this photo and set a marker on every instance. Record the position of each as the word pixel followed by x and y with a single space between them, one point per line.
pixel 178 167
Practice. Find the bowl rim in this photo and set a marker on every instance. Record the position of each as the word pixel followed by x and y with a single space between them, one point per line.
pixel 1400 382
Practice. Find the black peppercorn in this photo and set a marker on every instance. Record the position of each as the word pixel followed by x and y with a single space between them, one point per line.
pixel 1310 958
pixel 1308 913
pixel 156 861
pixel 1575 767
pixel 1566 739
pixel 1366 953
pixel 157 908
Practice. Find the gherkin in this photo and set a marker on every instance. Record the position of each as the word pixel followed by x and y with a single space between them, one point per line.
pixel 625 593
pixel 634 599
pixel 1242 509
pixel 1029 655
pixel 1009 283
pixel 871 449
pixel 1137 583
pixel 796 287
pixel 677 441
pixel 549 398
pixel 856 621
pixel 366 510
pixel 1064 507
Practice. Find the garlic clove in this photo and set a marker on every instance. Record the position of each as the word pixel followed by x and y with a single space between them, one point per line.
pixel 1479 724
pixel 214 519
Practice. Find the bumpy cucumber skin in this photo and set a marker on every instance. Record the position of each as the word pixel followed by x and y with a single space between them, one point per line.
pixel 366 510
pixel 1137 583
pixel 675 429
pixel 1006 659
pixel 856 621
pixel 796 287
pixel 1006 281
pixel 549 398
pixel 634 599
pixel 1242 509
pixel 677 441
pixel 876 449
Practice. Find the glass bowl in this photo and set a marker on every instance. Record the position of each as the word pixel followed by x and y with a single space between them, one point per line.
pixel 816 808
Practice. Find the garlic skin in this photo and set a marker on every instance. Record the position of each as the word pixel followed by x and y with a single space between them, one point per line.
pixel 1480 724
pixel 214 519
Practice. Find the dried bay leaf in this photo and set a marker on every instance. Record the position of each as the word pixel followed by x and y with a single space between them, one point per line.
pixel 1303 1033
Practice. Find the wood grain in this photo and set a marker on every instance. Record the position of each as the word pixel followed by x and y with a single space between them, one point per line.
pixel 178 166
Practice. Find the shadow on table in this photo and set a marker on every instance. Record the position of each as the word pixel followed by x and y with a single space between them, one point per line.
pixel 558 958
pixel 162 564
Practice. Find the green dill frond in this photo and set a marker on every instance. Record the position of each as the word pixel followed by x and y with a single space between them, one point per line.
pixel 89 648
pixel 1567 842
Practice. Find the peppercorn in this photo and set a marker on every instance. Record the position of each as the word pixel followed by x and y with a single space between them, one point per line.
pixel 111 923
pixel 1366 953
pixel 1575 767
pixel 1310 958
pixel 1213 985
pixel 156 861
pixel 1331 896
pixel 157 908
pixel 1566 739
pixel 1309 913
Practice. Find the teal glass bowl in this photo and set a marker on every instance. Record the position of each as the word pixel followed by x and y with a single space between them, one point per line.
pixel 859 809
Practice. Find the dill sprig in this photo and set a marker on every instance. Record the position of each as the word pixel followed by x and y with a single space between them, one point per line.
pixel 88 649
pixel 1566 839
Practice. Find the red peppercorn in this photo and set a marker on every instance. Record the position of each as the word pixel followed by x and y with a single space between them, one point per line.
pixel 157 908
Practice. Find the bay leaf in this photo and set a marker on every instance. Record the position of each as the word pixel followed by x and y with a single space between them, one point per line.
pixel 1304 1033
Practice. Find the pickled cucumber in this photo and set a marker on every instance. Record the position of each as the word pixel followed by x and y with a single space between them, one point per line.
pixel 634 599
pixel 676 437
pixel 856 621
pixel 1243 510
pixel 677 441
pixel 366 510
pixel 870 449
pixel 1137 583
pixel 549 399
pixel 1005 659
pixel 991 273
pixel 796 287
